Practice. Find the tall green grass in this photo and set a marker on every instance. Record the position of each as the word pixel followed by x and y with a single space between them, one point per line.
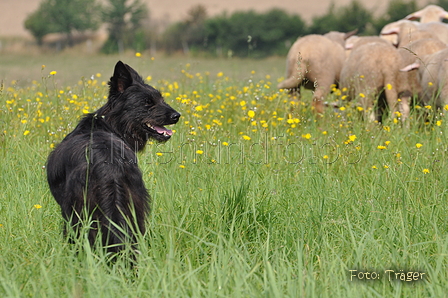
pixel 275 203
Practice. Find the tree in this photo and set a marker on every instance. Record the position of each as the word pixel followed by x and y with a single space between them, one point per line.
pixel 63 16
pixel 397 10
pixel 124 19
pixel 344 19
pixel 254 34
pixel 37 26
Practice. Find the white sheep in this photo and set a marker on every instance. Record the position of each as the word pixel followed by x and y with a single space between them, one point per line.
pixel 372 71
pixel 315 62
pixel 433 76
pixel 431 13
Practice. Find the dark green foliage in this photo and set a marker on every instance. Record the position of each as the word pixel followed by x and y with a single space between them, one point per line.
pixel 62 16
pixel 243 34
pixel 343 19
pixel 442 3
pixel 37 26
pixel 124 19
pixel 397 10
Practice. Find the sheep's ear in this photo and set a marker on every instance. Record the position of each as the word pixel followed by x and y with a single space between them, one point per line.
pixel 410 67
pixel 121 79
pixel 351 33
pixel 414 16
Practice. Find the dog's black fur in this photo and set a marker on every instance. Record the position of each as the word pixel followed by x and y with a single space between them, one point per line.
pixel 94 171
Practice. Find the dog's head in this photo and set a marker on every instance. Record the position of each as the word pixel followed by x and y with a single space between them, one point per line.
pixel 137 110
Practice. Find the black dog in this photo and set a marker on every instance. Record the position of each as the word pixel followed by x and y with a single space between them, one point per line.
pixel 93 172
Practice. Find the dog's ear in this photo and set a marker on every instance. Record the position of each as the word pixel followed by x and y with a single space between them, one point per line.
pixel 121 79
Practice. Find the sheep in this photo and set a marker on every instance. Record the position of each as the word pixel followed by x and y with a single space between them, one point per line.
pixel 416 51
pixel 315 62
pixel 371 69
pixel 431 13
pixel 407 32
pixel 390 31
pixel 433 76
pixel 356 41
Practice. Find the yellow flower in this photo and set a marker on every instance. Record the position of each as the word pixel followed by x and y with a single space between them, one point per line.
pixel 386 166
pixel 37 206
pixel 159 153
pixel 374 167
pixel 342 108
pixel 220 74
pixel 138 54
pixel 306 136
pixel 389 87
pixel 182 166
pixel 439 122
pixel 325 156
pixel 430 83
pixel 53 72
pixel 362 95
pixel 242 103
pixel 387 143
pixel 381 147
pixel 26 132
pixel 360 109
pixel 199 152
pixel 386 128
pixel 352 138
pixel 247 138
pixel 428 107
pixel 251 114
pixel 425 171
pixel 418 145
pixel 445 107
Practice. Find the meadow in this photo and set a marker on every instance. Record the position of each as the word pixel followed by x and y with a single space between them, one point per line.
pixel 253 196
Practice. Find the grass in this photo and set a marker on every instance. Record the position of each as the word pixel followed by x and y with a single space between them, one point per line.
pixel 268 203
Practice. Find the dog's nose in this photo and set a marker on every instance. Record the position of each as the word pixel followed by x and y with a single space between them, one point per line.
pixel 175 116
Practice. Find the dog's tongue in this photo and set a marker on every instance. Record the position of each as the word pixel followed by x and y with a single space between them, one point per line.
pixel 161 130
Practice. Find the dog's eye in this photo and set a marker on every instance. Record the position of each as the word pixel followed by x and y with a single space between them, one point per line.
pixel 149 101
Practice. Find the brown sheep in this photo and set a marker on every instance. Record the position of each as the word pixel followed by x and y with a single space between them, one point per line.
pixel 315 62
pixel 372 70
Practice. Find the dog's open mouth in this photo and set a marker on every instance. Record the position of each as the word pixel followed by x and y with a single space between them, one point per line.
pixel 161 130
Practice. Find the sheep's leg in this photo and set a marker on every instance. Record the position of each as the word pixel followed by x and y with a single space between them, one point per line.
pixel 392 100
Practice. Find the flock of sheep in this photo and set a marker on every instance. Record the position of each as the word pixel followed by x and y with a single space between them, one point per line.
pixel 408 59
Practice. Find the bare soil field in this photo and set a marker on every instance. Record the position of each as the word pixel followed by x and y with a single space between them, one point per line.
pixel 14 12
